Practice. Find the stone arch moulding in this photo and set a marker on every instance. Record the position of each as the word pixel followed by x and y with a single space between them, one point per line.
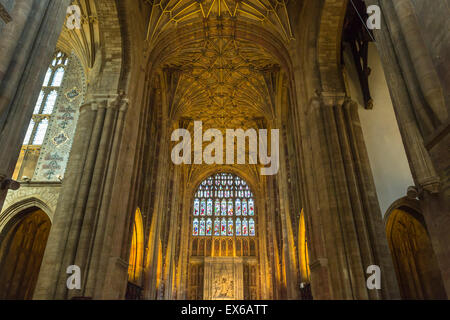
pixel 412 204
pixel 195 181
pixel 13 213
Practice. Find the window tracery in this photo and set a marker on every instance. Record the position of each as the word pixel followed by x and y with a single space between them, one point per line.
pixel 46 101
pixel 223 206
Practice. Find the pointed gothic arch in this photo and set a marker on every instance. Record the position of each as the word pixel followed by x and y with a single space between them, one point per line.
pixel 22 245
pixel 414 259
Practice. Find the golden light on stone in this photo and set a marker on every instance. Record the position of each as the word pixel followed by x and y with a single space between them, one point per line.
pixel 303 250
pixel 137 249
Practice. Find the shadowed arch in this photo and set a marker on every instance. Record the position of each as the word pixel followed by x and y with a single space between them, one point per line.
pixel 13 212
pixel 22 245
pixel 414 259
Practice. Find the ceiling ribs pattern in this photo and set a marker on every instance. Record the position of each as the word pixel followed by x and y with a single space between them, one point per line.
pixel 269 13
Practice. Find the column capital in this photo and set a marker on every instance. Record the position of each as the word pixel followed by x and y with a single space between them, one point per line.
pixel 430 184
pixel 117 102
pixel 329 98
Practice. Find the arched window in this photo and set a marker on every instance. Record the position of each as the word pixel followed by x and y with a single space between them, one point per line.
pixel 137 250
pixel 412 253
pixel 46 102
pixel 224 206
pixel 303 250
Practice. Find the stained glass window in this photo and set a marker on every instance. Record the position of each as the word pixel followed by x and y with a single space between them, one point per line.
pixel 227 198
pixel 203 207
pixel 251 208
pixel 230 226
pixel 202 227
pixel 46 102
pixel 251 227
pixel 217 227
pixel 217 207
pixel 223 229
pixel 224 207
pixel 196 207
pixel 245 227
pixel 209 207
pixel 238 226
pixel 195 227
pixel 238 207
pixel 208 227
pixel 244 207
pixel 230 207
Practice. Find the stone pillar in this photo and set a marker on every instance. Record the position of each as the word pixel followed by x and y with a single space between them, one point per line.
pixel 27 45
pixel 343 206
pixel 288 246
pixel 82 217
pixel 422 115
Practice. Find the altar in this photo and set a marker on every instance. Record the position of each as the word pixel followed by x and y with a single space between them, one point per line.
pixel 223 278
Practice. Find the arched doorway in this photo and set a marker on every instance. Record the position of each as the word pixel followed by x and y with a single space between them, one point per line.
pixel 135 263
pixel 22 248
pixel 223 250
pixel 414 260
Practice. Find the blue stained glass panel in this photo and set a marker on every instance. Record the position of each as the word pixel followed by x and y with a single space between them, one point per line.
pixel 251 227
pixel 217 227
pixel 230 227
pixel 209 207
pixel 245 227
pixel 202 227
pixel 223 227
pixel 251 207
pixel 195 227
pixel 208 227
pixel 238 226
pixel 196 207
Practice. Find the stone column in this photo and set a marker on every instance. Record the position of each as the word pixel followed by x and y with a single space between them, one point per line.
pixel 422 115
pixel 82 216
pixel 344 206
pixel 27 45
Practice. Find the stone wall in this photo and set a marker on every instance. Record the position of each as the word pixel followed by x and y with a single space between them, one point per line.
pixel 388 161
pixel 435 26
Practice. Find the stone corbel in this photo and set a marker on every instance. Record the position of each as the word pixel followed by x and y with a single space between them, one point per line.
pixel 88 106
pixel 431 185
pixel 8 184
pixel 350 103
pixel 116 101
pixel 333 99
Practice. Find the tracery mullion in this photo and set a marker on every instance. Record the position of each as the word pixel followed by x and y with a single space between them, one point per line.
pixel 219 206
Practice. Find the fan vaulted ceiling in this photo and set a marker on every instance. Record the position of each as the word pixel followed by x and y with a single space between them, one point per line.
pixel 224 81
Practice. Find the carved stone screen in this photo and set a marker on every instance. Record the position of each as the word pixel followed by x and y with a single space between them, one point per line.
pixel 223 278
